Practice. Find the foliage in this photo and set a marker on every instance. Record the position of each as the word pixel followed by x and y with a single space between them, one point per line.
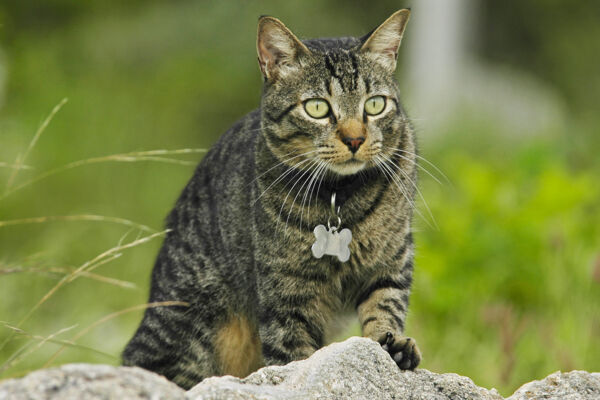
pixel 507 290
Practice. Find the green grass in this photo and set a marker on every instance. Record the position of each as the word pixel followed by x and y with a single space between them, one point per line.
pixel 18 353
pixel 506 290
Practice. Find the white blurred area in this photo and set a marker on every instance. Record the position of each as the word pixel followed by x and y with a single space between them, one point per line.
pixel 446 81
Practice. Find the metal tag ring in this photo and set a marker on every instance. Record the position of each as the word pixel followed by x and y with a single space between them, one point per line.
pixel 334 228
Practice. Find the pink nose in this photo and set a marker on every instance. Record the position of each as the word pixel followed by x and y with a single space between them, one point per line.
pixel 353 143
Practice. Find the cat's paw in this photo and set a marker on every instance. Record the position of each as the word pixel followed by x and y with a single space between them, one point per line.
pixel 403 350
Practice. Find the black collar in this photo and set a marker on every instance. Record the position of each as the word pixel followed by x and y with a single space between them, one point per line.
pixel 345 186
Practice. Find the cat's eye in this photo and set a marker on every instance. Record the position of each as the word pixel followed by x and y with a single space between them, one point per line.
pixel 375 105
pixel 316 108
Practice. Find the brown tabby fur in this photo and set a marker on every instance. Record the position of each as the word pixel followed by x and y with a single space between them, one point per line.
pixel 239 249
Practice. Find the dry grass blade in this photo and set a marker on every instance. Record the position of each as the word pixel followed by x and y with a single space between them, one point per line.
pixel 114 315
pixel 151 155
pixel 26 350
pixel 162 152
pixel 97 264
pixel 83 217
pixel 14 166
pixel 21 159
pixel 111 281
pixel 109 255
pixel 69 343
pixel 53 271
pixel 93 263
pixel 158 159
pixel 97 261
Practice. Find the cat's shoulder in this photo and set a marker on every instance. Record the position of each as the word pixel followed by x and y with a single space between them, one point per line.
pixel 241 134
pixel 247 126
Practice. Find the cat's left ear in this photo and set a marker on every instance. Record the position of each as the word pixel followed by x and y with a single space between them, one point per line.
pixel 279 50
pixel 383 43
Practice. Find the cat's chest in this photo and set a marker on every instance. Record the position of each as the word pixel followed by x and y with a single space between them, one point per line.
pixel 372 243
pixel 365 237
pixel 378 235
pixel 360 247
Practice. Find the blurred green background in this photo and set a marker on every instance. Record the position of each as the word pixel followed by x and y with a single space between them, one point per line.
pixel 505 99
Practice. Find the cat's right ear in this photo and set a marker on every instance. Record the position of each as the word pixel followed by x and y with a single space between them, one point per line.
pixel 383 43
pixel 279 51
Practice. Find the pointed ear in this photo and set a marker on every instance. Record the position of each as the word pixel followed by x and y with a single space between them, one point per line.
pixel 383 43
pixel 279 51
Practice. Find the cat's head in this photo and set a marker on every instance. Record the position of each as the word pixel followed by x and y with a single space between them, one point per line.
pixel 331 103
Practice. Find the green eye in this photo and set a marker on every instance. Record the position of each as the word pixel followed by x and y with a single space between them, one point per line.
pixel 316 108
pixel 375 105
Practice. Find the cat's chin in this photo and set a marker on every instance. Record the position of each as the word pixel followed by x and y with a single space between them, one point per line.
pixel 350 167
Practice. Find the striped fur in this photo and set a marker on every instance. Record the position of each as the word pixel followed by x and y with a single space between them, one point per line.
pixel 239 247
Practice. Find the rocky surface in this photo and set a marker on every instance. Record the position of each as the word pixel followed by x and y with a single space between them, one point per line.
pixel 87 381
pixel 572 385
pixel 355 369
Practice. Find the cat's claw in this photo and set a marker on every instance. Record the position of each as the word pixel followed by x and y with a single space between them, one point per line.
pixel 403 350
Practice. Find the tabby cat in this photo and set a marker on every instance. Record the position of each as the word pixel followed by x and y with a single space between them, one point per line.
pixel 239 246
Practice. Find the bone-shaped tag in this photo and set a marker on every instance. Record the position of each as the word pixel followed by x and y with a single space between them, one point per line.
pixel 332 242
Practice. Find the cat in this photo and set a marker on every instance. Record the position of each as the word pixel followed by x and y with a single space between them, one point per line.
pixel 330 145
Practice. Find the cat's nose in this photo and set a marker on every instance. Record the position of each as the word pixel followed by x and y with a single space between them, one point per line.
pixel 352 133
pixel 353 143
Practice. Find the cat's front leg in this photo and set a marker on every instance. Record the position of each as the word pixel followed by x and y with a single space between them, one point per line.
pixel 381 313
pixel 283 342
pixel 291 319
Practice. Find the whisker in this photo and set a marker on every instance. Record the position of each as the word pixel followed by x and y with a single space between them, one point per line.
pixel 317 185
pixel 398 182
pixel 310 182
pixel 439 171
pixel 282 162
pixel 315 166
pixel 280 177
pixel 422 168
pixel 310 189
pixel 292 188
pixel 416 188
pixel 377 162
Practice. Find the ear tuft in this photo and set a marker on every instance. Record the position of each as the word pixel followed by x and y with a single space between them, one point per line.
pixel 279 51
pixel 384 42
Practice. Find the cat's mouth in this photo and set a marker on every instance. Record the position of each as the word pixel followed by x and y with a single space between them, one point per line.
pixel 348 167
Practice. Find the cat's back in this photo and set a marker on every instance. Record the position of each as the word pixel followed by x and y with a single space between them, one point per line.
pixel 232 155
pixel 214 204
pixel 227 165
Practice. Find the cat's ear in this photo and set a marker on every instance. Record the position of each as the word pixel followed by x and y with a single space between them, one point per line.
pixel 383 43
pixel 279 51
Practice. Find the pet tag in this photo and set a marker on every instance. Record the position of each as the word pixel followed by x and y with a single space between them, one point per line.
pixel 331 242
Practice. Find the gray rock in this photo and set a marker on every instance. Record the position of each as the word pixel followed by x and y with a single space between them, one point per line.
pixel 574 385
pixel 355 369
pixel 85 381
